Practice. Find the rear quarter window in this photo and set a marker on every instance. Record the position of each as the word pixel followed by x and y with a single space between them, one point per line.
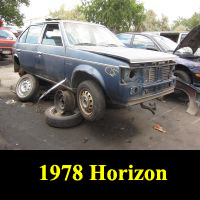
pixel 34 34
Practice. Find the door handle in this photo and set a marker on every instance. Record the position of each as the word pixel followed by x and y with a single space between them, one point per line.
pixel 39 54
pixel 18 50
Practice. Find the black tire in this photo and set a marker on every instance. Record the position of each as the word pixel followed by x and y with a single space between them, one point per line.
pixel 56 120
pixel 33 90
pixel 184 76
pixel 95 95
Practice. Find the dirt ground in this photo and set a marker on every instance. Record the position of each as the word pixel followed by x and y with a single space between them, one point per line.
pixel 22 126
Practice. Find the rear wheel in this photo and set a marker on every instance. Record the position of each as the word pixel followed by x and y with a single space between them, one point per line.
pixel 91 100
pixel 27 88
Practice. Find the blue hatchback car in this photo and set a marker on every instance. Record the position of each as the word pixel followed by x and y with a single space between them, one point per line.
pixel 98 68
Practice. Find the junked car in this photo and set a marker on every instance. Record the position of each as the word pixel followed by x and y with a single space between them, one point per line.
pixel 7 40
pixel 12 29
pixel 187 64
pixel 97 67
pixel 175 36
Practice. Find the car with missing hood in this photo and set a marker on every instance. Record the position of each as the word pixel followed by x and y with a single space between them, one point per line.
pixel 188 64
pixel 97 67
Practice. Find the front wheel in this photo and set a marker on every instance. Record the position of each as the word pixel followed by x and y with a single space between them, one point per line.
pixel 91 100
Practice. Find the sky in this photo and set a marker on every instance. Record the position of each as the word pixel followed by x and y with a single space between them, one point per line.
pixel 171 8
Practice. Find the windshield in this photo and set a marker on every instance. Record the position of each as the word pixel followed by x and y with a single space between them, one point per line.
pixel 90 35
pixel 169 45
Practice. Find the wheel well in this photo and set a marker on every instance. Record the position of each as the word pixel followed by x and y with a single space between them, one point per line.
pixel 17 66
pixel 83 76
pixel 185 69
pixel 16 60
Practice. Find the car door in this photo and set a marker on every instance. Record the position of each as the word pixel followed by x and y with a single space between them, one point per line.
pixel 51 54
pixel 27 47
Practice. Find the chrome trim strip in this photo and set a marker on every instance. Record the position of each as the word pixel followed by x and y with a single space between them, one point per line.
pixel 70 58
pixel 102 64
pixel 92 62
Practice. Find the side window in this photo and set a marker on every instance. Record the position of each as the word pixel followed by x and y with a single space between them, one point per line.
pixel 125 38
pixel 52 35
pixel 34 34
pixel 173 37
pixel 23 36
pixel 143 42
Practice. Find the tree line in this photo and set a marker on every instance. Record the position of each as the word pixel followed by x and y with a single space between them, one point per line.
pixel 124 16
pixel 117 15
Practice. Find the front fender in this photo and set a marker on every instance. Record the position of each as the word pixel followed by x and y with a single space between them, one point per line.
pixel 91 71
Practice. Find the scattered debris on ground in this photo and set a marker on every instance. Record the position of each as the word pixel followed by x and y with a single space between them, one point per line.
pixel 159 128
pixel 11 102
pixel 85 140
pixel 129 141
pixel 23 105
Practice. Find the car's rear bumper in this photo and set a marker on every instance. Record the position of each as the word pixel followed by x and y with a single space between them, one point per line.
pixel 6 50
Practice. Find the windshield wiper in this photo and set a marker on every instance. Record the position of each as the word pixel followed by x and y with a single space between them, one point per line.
pixel 85 44
pixel 109 45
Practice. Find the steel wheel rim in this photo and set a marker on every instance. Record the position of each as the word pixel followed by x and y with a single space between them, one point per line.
pixel 86 102
pixel 24 88
pixel 60 100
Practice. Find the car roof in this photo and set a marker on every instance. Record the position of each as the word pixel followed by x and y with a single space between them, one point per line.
pixel 62 21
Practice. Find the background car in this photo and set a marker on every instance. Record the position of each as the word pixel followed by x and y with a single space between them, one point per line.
pixel 174 36
pixel 7 40
pixel 187 67
pixel 16 31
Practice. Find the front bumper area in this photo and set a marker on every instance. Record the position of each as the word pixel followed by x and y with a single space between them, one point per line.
pixel 133 94
pixel 150 97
